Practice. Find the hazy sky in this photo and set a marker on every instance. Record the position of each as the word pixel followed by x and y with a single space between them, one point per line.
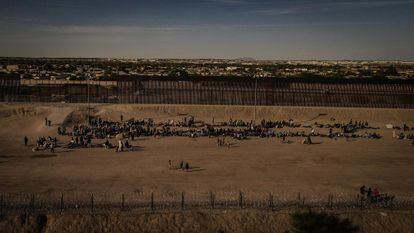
pixel 262 29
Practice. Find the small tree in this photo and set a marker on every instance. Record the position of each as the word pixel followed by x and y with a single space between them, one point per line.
pixel 391 71
pixel 312 222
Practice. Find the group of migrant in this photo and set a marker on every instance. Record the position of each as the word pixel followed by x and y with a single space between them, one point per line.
pixel 102 129
pixel 120 147
pixel 185 166
pixel 43 143
pixel 81 135
pixel 405 134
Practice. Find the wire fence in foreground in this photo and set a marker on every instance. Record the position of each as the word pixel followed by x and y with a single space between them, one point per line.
pixel 176 201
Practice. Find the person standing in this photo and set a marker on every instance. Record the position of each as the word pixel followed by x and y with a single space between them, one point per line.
pixel 120 146
pixel 376 192
pixel 369 193
pixel 89 142
pixel 362 190
pixel 26 140
pixel 309 141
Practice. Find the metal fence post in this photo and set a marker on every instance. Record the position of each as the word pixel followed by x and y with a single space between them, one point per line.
pixel 92 202
pixel 182 201
pixel 270 201
pixel 32 203
pixel 357 201
pixel 331 201
pixel 61 203
pixel 1 205
pixel 123 202
pixel 241 199
pixel 152 202
pixel 212 200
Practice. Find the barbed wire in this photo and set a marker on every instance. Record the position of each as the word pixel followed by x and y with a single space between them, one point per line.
pixel 180 201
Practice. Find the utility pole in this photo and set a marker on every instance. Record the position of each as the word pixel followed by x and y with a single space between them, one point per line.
pixel 89 102
pixel 255 99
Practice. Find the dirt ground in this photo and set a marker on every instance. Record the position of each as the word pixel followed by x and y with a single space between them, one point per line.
pixel 254 165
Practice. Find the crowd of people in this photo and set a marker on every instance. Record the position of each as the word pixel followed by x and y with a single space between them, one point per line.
pixel 105 129
pixel 402 135
pixel 43 143
pixel 82 141
pixel 223 142
pixel 122 145
pixel 404 128
pixel 184 166
pixel 82 135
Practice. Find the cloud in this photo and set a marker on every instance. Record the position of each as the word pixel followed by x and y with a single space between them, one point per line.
pixel 118 30
pixel 59 4
pixel 283 11
pixel 124 30
pixel 229 2
pixel 79 29
pixel 328 6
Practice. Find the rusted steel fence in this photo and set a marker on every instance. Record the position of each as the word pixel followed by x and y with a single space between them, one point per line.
pixel 329 92
pixel 267 92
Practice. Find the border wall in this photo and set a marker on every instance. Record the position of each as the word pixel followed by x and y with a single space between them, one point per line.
pixel 329 92
pixel 14 89
pixel 268 92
